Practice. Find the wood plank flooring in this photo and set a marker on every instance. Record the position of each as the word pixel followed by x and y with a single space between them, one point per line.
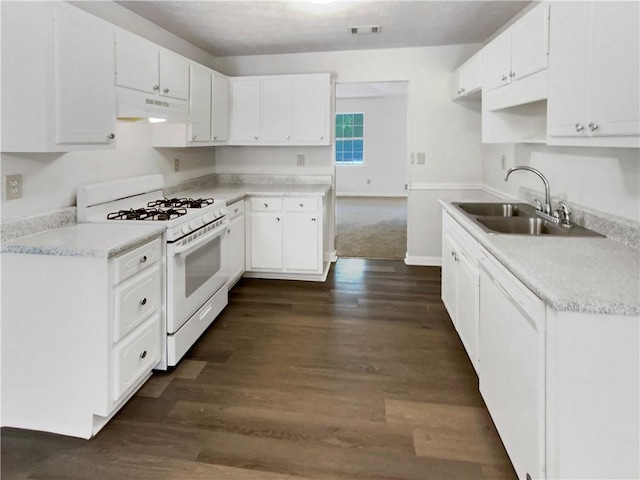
pixel 360 377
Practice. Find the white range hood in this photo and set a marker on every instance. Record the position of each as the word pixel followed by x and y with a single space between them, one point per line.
pixel 133 104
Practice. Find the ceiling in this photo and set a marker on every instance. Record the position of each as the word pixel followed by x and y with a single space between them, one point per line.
pixel 230 28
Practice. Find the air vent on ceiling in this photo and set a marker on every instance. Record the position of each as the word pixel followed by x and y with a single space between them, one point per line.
pixel 365 29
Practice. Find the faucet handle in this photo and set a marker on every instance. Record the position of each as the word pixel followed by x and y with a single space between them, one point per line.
pixel 566 214
pixel 538 205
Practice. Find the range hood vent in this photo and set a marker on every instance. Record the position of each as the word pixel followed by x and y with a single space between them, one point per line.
pixel 132 104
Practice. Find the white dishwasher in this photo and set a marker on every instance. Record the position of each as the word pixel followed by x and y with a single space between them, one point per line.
pixel 512 365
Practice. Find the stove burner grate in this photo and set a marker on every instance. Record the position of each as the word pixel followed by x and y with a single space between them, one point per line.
pixel 181 202
pixel 147 214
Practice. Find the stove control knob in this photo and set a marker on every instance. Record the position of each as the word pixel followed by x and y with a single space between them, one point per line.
pixel 195 223
pixel 218 213
pixel 206 219
pixel 185 229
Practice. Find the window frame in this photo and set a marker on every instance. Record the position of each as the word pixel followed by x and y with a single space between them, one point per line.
pixel 352 138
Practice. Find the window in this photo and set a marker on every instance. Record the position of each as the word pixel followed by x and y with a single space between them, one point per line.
pixel 349 138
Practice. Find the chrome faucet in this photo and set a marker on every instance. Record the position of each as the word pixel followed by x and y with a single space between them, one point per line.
pixel 546 209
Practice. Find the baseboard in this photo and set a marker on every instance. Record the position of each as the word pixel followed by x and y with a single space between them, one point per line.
pixel 423 261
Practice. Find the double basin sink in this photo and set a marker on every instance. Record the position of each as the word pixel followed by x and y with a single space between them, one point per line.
pixel 517 219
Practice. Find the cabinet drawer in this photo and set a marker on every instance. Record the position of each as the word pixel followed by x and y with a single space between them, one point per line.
pixel 270 204
pixel 136 260
pixel 307 204
pixel 135 356
pixel 235 209
pixel 135 301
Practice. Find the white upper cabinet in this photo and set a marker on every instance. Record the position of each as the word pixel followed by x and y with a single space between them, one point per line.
pixel 57 79
pixel 594 78
pixel 281 110
pixel 246 110
pixel 519 52
pixel 311 109
pixel 143 66
pixel 200 104
pixel 219 107
pixel 466 80
pixel 277 109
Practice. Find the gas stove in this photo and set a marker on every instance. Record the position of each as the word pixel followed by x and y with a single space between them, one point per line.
pixel 141 199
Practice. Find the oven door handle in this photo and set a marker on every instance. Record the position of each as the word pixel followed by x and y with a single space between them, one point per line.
pixel 204 239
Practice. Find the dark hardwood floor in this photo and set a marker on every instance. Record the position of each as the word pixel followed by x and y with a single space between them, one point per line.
pixel 361 377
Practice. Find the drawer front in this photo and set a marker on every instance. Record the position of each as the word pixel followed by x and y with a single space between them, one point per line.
pixel 136 300
pixel 136 355
pixel 268 204
pixel 305 204
pixel 136 260
pixel 235 209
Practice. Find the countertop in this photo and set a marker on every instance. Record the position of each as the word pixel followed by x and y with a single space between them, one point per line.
pixel 85 240
pixel 575 274
pixel 231 193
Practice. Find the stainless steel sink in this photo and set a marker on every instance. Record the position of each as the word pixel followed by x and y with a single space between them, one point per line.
pixel 496 209
pixel 517 219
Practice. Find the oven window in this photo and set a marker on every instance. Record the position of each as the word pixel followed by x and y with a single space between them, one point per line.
pixel 201 265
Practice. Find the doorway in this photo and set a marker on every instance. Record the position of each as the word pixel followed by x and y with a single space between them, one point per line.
pixel 371 169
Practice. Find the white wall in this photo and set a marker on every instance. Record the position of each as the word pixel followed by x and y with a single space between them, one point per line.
pixel 385 148
pixel 603 179
pixel 50 180
pixel 448 132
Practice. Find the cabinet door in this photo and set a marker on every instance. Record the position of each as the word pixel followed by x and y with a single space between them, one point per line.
pixel 137 64
pixel 311 106
pixel 302 242
pixel 245 110
pixel 219 108
pixel 266 240
pixel 236 247
pixel 448 287
pixel 530 43
pixel 200 104
pixel 174 76
pixel 512 372
pixel 496 62
pixel 615 70
pixel 85 96
pixel 568 69
pixel 456 83
pixel 467 306
pixel 471 75
pixel 277 109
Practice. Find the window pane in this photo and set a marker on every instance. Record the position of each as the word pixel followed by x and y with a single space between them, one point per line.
pixel 358 131
pixel 357 157
pixel 339 145
pixel 358 119
pixel 348 145
pixel 339 131
pixel 347 156
pixel 348 132
pixel 348 119
pixel 338 156
pixel 358 145
pixel 339 119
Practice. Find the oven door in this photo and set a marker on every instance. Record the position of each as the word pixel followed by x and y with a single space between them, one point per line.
pixel 195 271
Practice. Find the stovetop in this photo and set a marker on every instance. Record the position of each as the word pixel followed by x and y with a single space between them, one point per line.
pixel 165 209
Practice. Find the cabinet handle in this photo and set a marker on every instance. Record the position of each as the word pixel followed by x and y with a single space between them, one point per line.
pixel 194 137
pixel 143 302
pixel 166 90
pixel 512 74
pixel 277 219
pixel 462 90
pixel 111 136
pixel 313 219
pixel 235 210
pixel 266 205
pixel 321 138
pixel 215 137
pixel 301 205
pixel 143 259
pixel 288 137
pixel 593 126
pixel 156 87
pixel 504 78
pixel 143 354
pixel 229 232
pixel 255 138
pixel 579 127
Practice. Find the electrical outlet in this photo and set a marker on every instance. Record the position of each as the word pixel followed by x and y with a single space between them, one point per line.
pixel 300 160
pixel 13 186
pixel 176 164
pixel 368 181
pixel 421 158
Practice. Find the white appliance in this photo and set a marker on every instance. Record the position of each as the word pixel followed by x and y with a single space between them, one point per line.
pixel 196 259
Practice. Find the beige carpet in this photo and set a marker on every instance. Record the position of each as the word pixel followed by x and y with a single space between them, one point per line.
pixel 371 227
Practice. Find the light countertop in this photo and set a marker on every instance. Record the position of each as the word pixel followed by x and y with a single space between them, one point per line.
pixel 85 240
pixel 576 274
pixel 231 193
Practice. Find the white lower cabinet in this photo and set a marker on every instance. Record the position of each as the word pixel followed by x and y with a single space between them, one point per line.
pixel 562 387
pixel 80 334
pixel 285 237
pixel 236 242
